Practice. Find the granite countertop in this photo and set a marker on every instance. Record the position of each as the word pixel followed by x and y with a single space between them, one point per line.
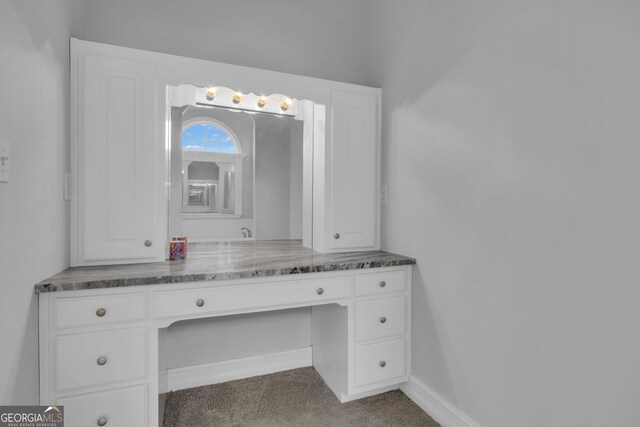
pixel 221 261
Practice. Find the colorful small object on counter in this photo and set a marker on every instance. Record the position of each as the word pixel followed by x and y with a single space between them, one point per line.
pixel 177 249
pixel 181 239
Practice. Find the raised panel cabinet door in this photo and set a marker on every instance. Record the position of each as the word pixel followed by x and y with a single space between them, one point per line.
pixel 354 171
pixel 117 159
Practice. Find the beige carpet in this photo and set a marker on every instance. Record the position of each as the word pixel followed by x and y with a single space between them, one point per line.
pixel 291 398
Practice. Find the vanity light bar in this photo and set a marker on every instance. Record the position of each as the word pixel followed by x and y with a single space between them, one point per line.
pixel 220 96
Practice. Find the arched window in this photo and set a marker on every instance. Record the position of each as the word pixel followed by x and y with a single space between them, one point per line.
pixel 211 168
pixel 208 137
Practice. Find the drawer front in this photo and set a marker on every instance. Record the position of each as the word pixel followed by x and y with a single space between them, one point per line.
pixel 119 408
pixel 379 362
pixel 382 282
pixel 228 298
pixel 106 309
pixel 380 318
pixel 79 364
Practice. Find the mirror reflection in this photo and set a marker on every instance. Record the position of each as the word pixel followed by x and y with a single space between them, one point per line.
pixel 235 175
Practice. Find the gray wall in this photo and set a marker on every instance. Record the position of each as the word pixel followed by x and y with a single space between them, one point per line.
pixel 34 230
pixel 511 150
pixel 313 38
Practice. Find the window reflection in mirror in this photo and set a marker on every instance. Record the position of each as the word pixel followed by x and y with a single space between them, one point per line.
pixel 210 156
pixel 235 176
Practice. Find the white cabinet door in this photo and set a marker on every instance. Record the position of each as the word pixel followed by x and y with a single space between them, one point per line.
pixel 115 159
pixel 354 171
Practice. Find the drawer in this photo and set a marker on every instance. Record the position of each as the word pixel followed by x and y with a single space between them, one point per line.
pixel 228 298
pixel 78 363
pixel 126 407
pixel 99 310
pixel 380 362
pixel 380 318
pixel 382 282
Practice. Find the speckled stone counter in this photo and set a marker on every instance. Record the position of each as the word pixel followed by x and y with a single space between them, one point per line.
pixel 221 261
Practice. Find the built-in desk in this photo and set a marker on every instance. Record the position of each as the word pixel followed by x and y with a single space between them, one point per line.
pixel 99 325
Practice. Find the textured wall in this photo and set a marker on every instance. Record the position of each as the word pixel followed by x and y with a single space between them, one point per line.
pixel 511 152
pixel 34 219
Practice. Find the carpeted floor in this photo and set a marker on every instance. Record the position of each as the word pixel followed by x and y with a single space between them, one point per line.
pixel 291 398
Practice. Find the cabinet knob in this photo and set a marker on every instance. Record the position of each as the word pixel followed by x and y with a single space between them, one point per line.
pixel 383 283
pixel 200 302
pixel 383 363
pixel 101 312
pixel 320 291
pixel 102 421
pixel 336 236
pixel 101 361
pixel 383 319
pixel 148 243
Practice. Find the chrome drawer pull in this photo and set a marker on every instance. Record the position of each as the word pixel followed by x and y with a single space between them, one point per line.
pixel 148 243
pixel 336 236
pixel 101 312
pixel 383 283
pixel 102 421
pixel 101 361
pixel 383 319
pixel 200 302
pixel 383 363
pixel 320 291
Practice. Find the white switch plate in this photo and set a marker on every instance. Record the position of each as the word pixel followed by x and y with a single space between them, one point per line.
pixel 66 191
pixel 5 160
pixel 384 194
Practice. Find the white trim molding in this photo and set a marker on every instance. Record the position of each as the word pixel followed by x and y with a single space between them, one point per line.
pixel 435 405
pixel 236 369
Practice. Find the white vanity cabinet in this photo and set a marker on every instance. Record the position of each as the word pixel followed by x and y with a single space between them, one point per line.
pixel 120 135
pixel 113 144
pixel 99 347
pixel 354 171
pixel 96 356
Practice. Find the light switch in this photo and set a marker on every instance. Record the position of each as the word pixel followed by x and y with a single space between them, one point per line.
pixel 5 160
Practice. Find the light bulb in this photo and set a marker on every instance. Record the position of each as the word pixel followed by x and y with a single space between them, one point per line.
pixel 210 93
pixel 262 101
pixel 286 104
pixel 237 97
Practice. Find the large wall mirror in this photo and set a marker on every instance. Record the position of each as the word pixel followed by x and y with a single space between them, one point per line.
pixel 239 170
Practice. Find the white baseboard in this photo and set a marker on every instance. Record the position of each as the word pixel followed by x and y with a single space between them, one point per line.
pixel 229 370
pixel 435 405
pixel 344 398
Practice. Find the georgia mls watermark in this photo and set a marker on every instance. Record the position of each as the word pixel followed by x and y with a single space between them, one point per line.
pixel 31 416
